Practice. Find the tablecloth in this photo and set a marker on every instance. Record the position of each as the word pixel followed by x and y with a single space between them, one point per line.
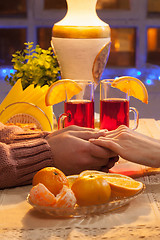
pixel 140 219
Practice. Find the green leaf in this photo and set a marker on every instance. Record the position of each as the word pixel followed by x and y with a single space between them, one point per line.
pixel 34 66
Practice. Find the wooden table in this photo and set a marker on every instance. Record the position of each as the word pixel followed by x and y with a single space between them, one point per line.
pixel 140 219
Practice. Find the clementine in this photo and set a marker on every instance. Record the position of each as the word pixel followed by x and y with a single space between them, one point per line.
pixel 121 185
pixel 66 198
pixel 40 195
pixel 52 178
pixel 91 190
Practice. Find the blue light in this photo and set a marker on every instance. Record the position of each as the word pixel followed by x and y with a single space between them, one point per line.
pixel 11 71
pixel 159 78
pixel 152 76
pixel 139 73
pixel 4 71
pixel 149 82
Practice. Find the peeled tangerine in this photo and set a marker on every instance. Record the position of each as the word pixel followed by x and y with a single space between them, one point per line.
pixel 40 195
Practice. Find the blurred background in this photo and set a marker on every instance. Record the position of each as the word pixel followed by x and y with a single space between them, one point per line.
pixel 135 36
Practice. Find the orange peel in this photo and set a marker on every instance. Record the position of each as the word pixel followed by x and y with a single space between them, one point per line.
pixel 61 90
pixel 132 86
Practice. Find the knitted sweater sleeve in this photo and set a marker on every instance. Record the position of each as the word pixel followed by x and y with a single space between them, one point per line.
pixel 22 154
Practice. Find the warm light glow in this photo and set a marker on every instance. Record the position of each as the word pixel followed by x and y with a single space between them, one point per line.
pixel 152 39
pixel 116 45
pixel 81 41
pixel 81 13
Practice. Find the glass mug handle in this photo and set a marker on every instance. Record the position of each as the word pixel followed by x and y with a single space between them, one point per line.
pixel 62 118
pixel 136 117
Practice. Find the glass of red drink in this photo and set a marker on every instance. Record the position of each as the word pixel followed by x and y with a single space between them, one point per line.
pixel 79 110
pixel 114 107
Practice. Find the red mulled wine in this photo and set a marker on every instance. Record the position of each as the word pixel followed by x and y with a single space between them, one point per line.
pixel 113 113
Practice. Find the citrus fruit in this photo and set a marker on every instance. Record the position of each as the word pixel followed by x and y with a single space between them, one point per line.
pixel 52 178
pixel 40 195
pixel 72 179
pixel 61 90
pixel 66 198
pixel 104 174
pixel 132 86
pixel 91 190
pixel 91 172
pixel 123 186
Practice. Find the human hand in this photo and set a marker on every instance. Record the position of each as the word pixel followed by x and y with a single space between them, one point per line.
pixel 77 128
pixel 131 146
pixel 73 153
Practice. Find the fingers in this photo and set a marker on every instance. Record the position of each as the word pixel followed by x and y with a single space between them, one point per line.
pixel 121 129
pixel 101 152
pixel 96 157
pixel 99 163
pixel 111 145
pixel 77 128
pixel 86 135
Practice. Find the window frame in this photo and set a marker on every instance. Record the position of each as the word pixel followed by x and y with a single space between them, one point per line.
pixel 136 17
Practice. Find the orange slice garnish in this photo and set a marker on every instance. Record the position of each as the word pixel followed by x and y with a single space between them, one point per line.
pixel 61 90
pixel 132 86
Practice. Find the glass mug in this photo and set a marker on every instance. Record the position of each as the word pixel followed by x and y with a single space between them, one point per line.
pixel 79 110
pixel 114 107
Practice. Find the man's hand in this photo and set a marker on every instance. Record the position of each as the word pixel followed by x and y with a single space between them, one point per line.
pixel 73 153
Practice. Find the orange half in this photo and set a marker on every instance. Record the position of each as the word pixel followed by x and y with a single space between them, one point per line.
pixel 61 90
pixel 132 86
pixel 123 186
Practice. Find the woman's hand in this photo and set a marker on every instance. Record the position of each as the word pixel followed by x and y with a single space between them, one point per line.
pixel 73 153
pixel 131 146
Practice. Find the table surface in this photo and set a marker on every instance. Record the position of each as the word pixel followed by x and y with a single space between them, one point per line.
pixel 137 220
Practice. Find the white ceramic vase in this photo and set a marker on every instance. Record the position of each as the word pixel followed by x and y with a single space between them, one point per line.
pixel 81 42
